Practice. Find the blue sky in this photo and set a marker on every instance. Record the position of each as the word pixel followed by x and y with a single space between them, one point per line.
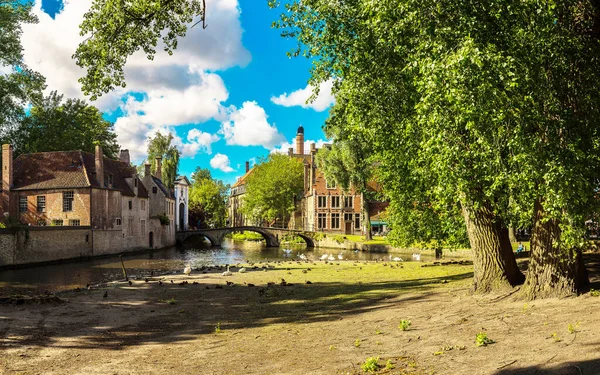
pixel 229 93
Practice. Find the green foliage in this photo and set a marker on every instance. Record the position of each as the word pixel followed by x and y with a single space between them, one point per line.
pixel 493 105
pixel 55 124
pixel 20 86
pixel 573 327
pixel 273 189
pixel 247 236
pixel 208 200
pixel 371 364
pixel 170 301
pixel 164 219
pixel 357 343
pixel 594 293
pixel 218 328
pixel 160 146
pixel 2 225
pixel 389 365
pixel 481 339
pixel 555 337
pixel 404 324
pixel 116 29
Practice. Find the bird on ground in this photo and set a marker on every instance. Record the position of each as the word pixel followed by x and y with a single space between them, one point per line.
pixel 416 256
pixel 308 282
pixel 159 282
pixel 397 259
pixel 330 257
pixel 287 251
pixel 130 282
pixel 340 256
pixel 105 294
pixel 302 256
pixel 188 269
pixel 227 273
pixel 324 256
pixel 242 270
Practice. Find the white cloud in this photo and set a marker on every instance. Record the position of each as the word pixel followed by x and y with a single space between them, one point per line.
pixel 299 97
pixel 198 140
pixel 283 147
pixel 220 161
pixel 248 126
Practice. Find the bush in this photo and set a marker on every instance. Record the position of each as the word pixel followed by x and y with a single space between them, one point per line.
pixel 371 364
pixel 164 219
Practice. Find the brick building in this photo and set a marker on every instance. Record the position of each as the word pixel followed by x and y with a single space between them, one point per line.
pixel 236 198
pixel 81 189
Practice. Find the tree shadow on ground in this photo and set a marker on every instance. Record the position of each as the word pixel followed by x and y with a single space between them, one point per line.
pixel 589 367
pixel 89 321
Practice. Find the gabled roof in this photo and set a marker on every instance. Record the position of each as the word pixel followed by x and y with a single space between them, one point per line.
pixel 182 180
pixel 70 169
pixel 242 180
pixel 167 192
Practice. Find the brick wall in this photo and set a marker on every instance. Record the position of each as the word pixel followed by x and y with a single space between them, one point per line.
pixel 54 208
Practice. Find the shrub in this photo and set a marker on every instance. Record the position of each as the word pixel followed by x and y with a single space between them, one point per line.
pixel 482 340
pixel 404 324
pixel 164 219
pixel 371 364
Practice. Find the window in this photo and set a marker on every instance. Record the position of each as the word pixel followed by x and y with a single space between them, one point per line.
pixel 154 190
pixel 135 182
pixel 130 205
pixel 130 229
pixel 22 204
pixel 41 203
pixel 357 221
pixel 41 223
pixel 321 221
pixel 330 184
pixel 143 225
pixel 118 221
pixel 57 222
pixel 347 217
pixel 335 201
pixel 349 202
pixel 143 205
pixel 322 201
pixel 68 201
pixel 75 222
pixel 335 221
pixel 110 180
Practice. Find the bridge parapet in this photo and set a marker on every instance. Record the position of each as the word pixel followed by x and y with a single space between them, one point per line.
pixel 272 236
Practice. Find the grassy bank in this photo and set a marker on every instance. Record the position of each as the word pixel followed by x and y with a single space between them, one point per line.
pixel 246 236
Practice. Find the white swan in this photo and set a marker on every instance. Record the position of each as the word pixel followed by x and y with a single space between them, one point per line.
pixel 242 270
pixel 416 256
pixel 287 251
pixel 397 259
pixel 188 269
pixel 227 273
pixel 302 256
pixel 324 256
pixel 330 257
pixel 340 256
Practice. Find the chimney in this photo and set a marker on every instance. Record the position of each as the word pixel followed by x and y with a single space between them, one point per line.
pixel 313 148
pixel 147 172
pixel 125 157
pixel 99 163
pixel 300 141
pixel 7 177
pixel 158 172
pixel 290 151
pixel 247 166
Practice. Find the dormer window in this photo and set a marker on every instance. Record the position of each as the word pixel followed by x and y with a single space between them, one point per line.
pixel 135 182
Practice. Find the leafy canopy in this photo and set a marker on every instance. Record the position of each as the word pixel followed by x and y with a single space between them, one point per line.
pixel 208 200
pixel 160 146
pixel 117 29
pixel 272 189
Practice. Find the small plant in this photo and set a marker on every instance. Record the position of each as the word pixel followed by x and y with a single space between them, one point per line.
pixel 164 219
pixel 525 308
pixel 573 328
pixel 181 311
pixel 555 337
pixel 331 347
pixel 594 293
pixel 404 324
pixel 378 332
pixel 389 365
pixel 482 340
pixel 171 301
pixel 357 343
pixel 218 328
pixel 371 364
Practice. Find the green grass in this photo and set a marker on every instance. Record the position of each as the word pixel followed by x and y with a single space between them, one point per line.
pixel 247 236
pixel 515 245
pixel 377 240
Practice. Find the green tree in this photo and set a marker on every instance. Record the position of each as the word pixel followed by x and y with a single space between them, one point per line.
pixel 57 125
pixel 208 200
pixel 348 162
pixel 491 106
pixel 20 85
pixel 117 29
pixel 273 189
pixel 160 146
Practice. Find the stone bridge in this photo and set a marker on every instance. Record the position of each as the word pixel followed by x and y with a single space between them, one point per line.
pixel 272 236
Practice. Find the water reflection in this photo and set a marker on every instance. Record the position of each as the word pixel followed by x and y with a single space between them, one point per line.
pixel 39 279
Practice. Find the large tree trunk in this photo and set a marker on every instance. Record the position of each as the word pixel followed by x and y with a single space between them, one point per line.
pixel 553 271
pixel 494 265
pixel 514 274
pixel 366 219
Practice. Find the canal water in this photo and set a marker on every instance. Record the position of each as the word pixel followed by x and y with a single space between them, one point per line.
pixel 71 275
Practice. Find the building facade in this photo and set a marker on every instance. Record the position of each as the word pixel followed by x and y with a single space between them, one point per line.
pixel 236 199
pixel 85 190
pixel 182 196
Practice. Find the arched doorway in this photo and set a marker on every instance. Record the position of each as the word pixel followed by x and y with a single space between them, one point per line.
pixel 181 216
pixel 151 240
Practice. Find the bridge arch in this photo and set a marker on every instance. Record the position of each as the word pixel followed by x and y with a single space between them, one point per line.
pixel 270 239
pixel 213 241
pixel 272 236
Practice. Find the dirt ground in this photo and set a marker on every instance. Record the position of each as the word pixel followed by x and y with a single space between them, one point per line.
pixel 351 311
